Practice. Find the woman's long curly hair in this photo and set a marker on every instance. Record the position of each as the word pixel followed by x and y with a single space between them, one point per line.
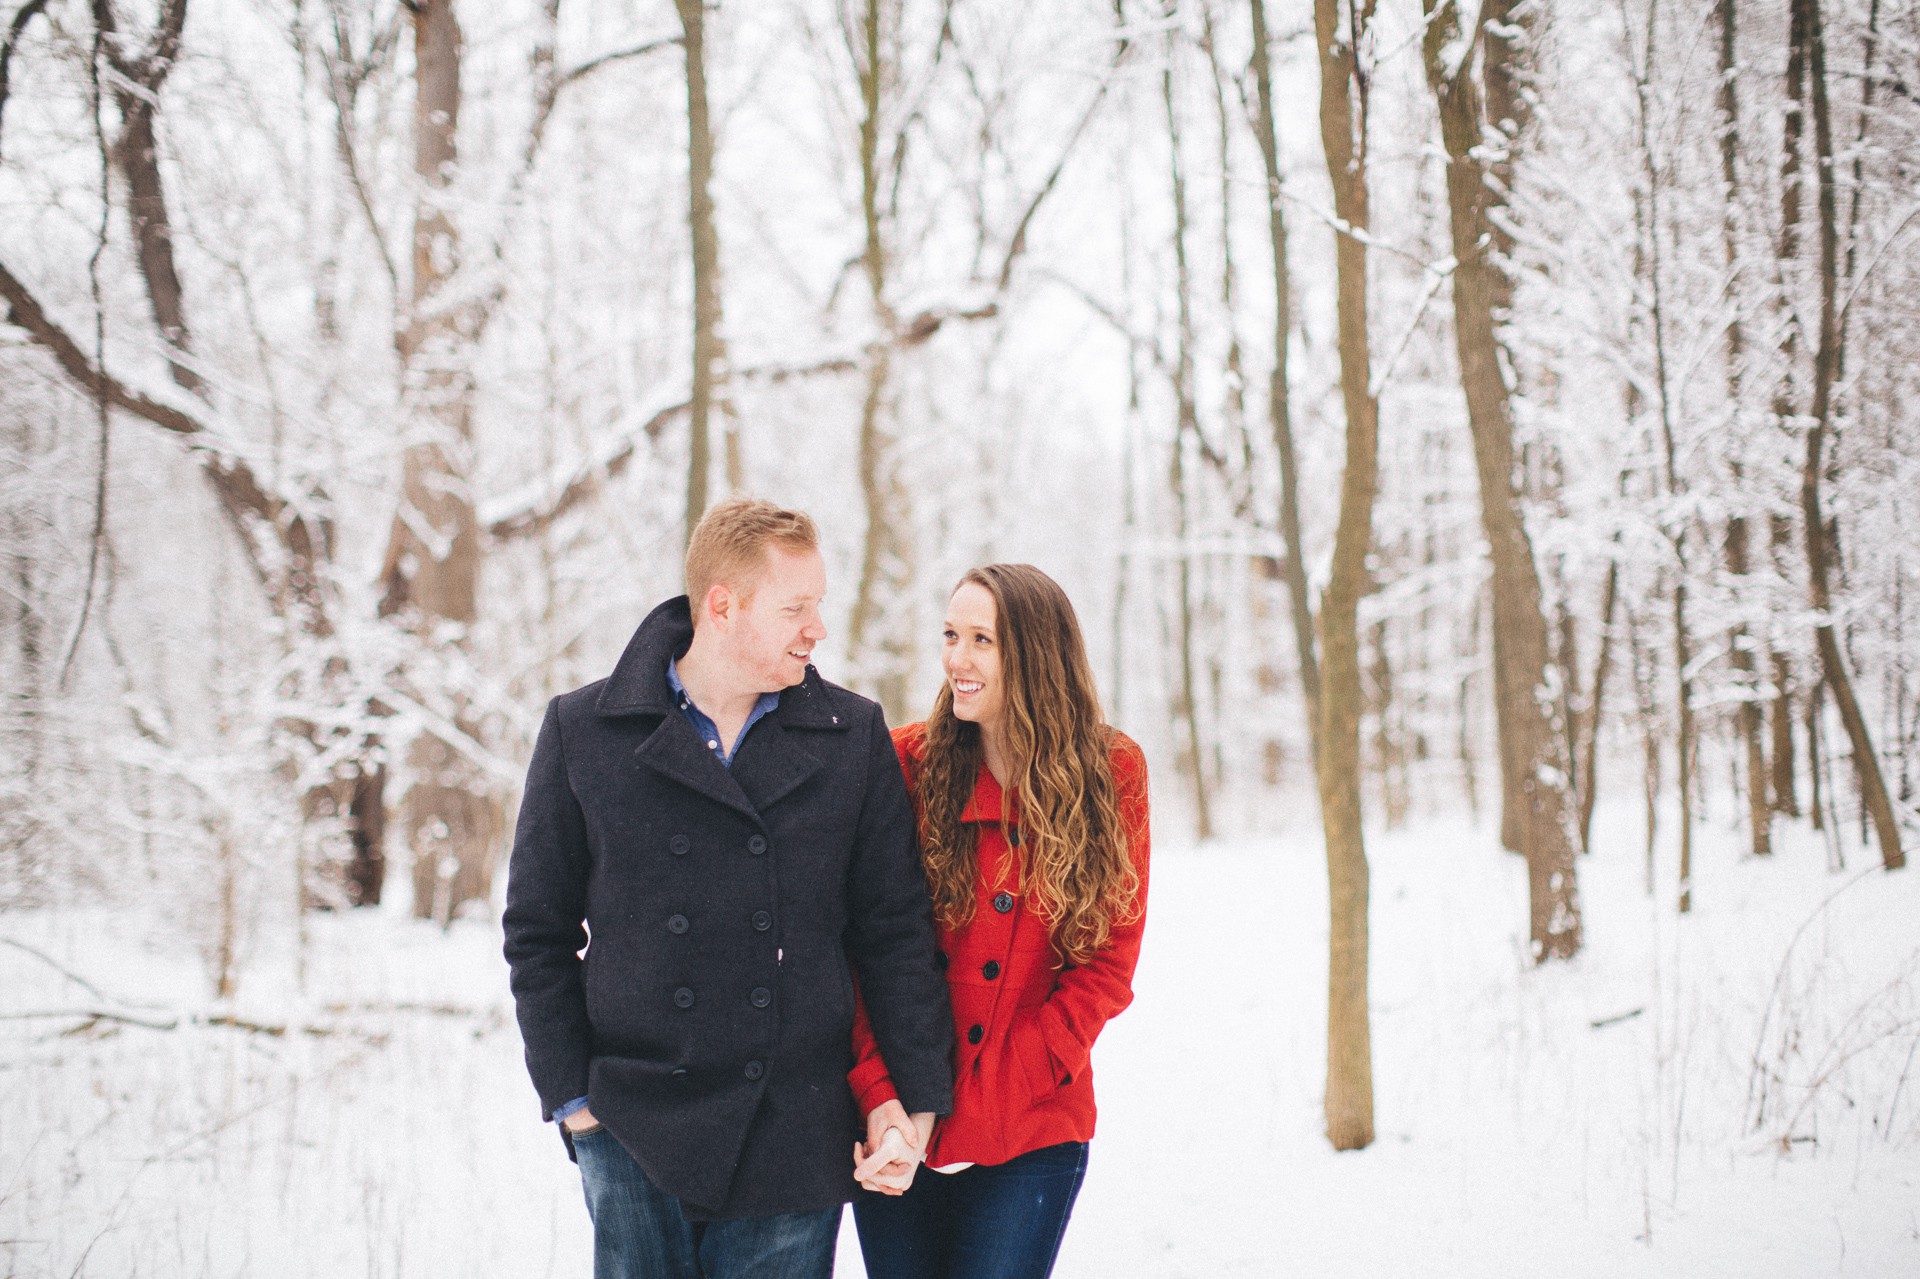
pixel 1073 844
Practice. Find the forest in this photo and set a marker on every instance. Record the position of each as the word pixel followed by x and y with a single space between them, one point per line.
pixel 1480 429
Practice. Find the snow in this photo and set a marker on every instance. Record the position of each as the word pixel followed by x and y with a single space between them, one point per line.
pixel 390 1130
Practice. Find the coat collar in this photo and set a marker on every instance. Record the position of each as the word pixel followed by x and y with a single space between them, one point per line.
pixel 989 803
pixel 638 685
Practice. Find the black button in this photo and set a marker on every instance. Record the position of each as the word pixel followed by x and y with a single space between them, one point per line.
pixel 1003 902
pixel 975 1034
pixel 683 998
pixel 940 960
pixel 757 845
pixel 990 969
pixel 762 921
pixel 677 924
pixel 760 997
pixel 754 1070
pixel 679 844
pixel 1013 836
pixel 679 1072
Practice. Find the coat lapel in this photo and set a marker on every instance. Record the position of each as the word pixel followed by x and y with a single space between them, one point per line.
pixel 675 751
pixel 774 760
pixel 772 764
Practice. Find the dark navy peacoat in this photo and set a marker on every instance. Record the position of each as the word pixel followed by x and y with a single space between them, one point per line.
pixel 709 1022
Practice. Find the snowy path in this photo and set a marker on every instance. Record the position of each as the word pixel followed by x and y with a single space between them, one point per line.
pixel 1513 1137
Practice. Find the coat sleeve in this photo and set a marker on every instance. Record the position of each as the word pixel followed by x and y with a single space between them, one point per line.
pixel 903 1013
pixel 1058 1040
pixel 544 924
pixel 869 1079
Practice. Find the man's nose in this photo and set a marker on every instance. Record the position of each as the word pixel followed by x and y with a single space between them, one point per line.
pixel 815 629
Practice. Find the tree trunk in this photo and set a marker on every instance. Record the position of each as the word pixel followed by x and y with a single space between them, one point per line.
pixel 1519 621
pixel 1186 426
pixel 1652 260
pixel 1343 132
pixel 1740 642
pixel 879 637
pixel 1590 716
pixel 429 580
pixel 1279 395
pixel 1873 790
pixel 1648 709
pixel 707 351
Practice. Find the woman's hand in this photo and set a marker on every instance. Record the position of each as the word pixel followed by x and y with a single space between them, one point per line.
pixel 895 1146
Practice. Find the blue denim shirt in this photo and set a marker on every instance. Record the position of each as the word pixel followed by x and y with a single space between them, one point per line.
pixel 710 734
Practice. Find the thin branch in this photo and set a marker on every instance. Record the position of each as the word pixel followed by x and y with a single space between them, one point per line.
pixel 524 519
pixel 619 55
pixel 88 1016
pixel 60 968
pixel 26 312
pixel 1017 244
pixel 103 417
pixel 1437 275
pixel 15 29
pixel 343 90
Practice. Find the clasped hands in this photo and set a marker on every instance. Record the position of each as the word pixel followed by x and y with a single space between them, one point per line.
pixel 896 1144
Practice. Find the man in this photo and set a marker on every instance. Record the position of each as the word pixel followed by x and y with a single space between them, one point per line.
pixel 732 831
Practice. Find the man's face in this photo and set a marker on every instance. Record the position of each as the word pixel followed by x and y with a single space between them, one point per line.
pixel 971 657
pixel 775 627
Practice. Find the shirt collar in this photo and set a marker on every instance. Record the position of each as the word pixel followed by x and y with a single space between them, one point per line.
pixel 768 703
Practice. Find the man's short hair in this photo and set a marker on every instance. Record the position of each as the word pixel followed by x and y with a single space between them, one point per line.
pixel 731 541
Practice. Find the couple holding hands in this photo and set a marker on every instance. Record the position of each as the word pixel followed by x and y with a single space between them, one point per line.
pixel 748 927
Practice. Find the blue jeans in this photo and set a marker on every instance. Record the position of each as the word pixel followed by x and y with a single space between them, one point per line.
pixel 990 1221
pixel 640 1233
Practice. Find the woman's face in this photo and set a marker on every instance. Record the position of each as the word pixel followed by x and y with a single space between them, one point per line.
pixel 971 656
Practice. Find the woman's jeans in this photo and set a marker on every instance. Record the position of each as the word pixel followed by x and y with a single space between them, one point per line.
pixel 998 1221
pixel 639 1233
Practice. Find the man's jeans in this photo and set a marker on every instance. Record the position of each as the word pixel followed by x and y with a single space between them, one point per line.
pixel 639 1233
pixel 997 1221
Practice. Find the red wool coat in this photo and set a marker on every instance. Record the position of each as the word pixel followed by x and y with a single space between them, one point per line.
pixel 1024 1023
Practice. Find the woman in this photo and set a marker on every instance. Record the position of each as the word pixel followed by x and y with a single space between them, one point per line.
pixel 1033 831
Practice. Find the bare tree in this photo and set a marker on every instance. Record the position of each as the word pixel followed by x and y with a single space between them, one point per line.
pixel 1833 663
pixel 1343 133
pixel 1524 703
pixel 876 639
pixel 450 813
pixel 1651 261
pixel 285 535
pixel 1279 395
pixel 708 352
pixel 1186 436
pixel 1739 557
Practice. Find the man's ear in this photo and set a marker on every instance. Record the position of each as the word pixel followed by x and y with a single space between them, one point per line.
pixel 719 604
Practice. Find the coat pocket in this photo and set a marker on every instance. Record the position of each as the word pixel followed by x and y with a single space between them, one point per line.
pixel 1030 1067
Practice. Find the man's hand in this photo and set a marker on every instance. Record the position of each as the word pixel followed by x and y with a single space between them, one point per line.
pixel 581 1120
pixel 896 1144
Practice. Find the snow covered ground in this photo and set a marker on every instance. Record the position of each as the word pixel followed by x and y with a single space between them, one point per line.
pixel 390 1131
